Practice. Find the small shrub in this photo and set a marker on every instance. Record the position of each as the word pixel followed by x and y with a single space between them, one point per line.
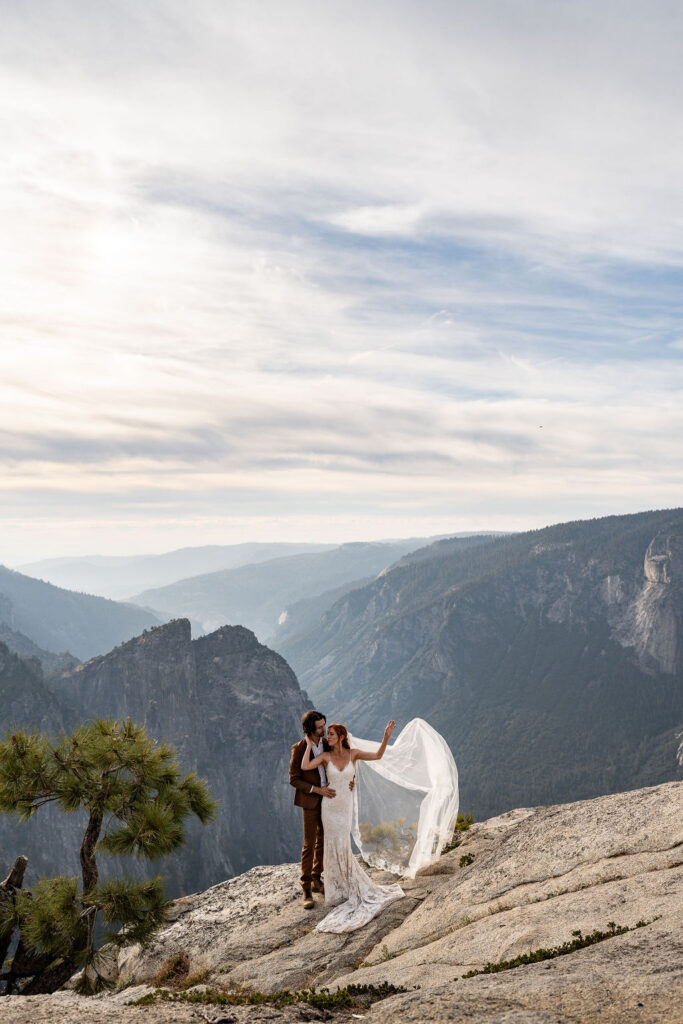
pixel 497 908
pixel 453 845
pixel 147 1000
pixel 462 824
pixel 367 994
pixel 194 979
pixel 386 955
pixel 352 995
pixel 579 941
pixel 467 858
pixel 173 970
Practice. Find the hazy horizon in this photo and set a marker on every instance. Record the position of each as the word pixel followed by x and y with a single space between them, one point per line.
pixel 188 547
pixel 333 541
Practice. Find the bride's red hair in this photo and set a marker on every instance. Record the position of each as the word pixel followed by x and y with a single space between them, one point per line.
pixel 341 733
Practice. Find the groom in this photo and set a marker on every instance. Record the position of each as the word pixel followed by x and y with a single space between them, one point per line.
pixel 311 788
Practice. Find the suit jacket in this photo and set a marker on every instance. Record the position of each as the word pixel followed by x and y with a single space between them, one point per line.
pixel 303 780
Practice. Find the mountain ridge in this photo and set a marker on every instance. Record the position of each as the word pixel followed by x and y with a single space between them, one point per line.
pixel 551 661
pixel 120 576
pixel 56 619
pixel 256 595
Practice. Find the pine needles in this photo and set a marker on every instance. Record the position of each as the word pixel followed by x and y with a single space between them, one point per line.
pixel 137 801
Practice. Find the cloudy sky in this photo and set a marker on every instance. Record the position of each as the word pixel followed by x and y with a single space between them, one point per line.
pixel 338 270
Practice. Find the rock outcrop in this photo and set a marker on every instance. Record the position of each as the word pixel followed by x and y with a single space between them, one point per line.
pixel 230 706
pixel 535 877
pixel 651 619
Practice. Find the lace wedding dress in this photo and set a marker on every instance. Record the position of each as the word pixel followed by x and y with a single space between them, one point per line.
pixel 355 897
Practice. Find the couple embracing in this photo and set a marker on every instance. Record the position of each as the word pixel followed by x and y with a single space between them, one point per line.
pixel 323 772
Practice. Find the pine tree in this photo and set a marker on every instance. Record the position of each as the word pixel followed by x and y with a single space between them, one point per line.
pixel 137 802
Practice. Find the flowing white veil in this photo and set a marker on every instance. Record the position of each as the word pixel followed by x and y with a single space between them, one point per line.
pixel 406 805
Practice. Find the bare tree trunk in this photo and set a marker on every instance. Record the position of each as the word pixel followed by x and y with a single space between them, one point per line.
pixel 7 890
pixel 89 867
pixel 88 862
pixel 15 879
pixel 26 964
pixel 50 978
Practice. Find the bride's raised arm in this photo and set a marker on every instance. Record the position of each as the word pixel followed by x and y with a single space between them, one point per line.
pixel 312 762
pixel 366 755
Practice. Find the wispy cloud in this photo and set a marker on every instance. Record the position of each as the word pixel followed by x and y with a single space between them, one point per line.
pixel 336 270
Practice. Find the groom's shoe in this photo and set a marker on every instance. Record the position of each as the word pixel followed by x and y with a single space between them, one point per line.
pixel 317 886
pixel 309 902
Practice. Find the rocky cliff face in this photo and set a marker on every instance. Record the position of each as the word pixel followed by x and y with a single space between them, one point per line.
pixel 552 661
pixel 50 662
pixel 25 697
pixel 26 700
pixel 531 880
pixel 649 615
pixel 231 707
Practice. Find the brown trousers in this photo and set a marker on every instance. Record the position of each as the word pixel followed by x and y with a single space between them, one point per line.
pixel 312 850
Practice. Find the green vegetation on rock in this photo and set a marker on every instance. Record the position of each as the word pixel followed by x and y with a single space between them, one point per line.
pixel 579 941
pixel 462 824
pixel 136 801
pixel 352 995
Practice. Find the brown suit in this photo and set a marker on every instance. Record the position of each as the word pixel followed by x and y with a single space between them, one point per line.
pixel 311 805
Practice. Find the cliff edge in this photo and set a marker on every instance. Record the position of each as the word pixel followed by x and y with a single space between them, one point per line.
pixel 529 879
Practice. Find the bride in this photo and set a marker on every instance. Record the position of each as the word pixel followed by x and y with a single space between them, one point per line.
pixel 356 898
pixel 401 814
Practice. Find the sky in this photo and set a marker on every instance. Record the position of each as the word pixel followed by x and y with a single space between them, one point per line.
pixel 284 270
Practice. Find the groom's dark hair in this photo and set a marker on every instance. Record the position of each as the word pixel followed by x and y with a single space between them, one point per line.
pixel 310 720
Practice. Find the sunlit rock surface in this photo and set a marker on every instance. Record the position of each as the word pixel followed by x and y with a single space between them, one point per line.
pixel 538 875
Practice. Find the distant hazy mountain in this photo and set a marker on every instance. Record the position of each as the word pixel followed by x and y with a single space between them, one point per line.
pixel 305 615
pixel 119 577
pixel 231 707
pixel 61 620
pixel 21 645
pixel 302 616
pixel 257 596
pixel 552 661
